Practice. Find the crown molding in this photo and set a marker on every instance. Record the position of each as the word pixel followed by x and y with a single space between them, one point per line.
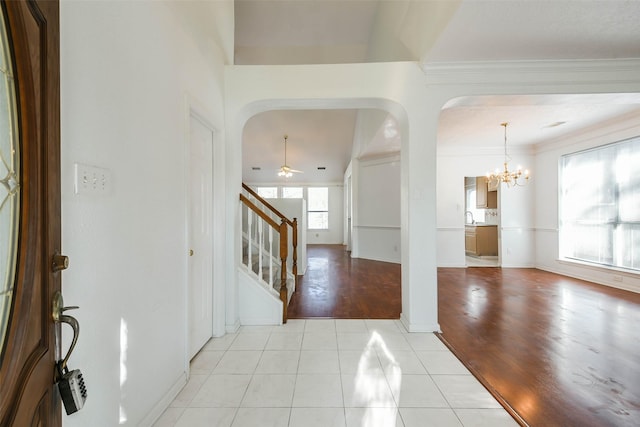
pixel 475 151
pixel 626 71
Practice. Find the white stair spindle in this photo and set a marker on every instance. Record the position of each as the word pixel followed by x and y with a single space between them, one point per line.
pixel 270 256
pixel 260 246
pixel 249 237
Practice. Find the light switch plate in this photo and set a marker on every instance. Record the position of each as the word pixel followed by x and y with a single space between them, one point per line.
pixel 91 179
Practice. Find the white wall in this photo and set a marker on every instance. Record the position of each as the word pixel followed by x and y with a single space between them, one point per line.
pixel 516 207
pixel 376 233
pixel 258 305
pixel 130 71
pixel 546 214
pixel 398 88
pixel 368 124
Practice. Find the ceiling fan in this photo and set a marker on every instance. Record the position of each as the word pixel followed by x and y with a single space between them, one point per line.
pixel 285 170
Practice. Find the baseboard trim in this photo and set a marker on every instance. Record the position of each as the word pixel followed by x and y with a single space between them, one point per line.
pixel 233 328
pixel 526 265
pixel 417 327
pixel 622 286
pixel 260 321
pixel 159 408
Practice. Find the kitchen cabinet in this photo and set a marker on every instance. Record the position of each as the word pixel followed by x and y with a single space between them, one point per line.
pixel 485 199
pixel 481 240
pixel 470 245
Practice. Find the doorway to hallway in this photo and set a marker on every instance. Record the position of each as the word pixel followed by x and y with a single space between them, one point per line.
pixel 340 287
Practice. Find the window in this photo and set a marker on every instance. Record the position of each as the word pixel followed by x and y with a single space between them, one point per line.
pixel 318 208
pixel 268 192
pixel 292 192
pixel 600 205
pixel 477 215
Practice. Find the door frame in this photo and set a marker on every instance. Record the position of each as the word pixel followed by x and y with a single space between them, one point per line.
pixel 498 262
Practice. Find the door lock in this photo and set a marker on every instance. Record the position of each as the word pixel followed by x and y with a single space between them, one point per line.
pixel 70 383
pixel 60 262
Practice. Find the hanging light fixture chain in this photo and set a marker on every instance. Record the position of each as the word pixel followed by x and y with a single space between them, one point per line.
pixel 285 149
pixel 506 156
pixel 507 177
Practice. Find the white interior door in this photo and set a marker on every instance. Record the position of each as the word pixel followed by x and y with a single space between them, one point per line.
pixel 200 286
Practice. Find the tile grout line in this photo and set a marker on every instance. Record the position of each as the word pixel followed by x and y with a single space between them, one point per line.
pixel 262 352
pixel 295 380
pixel 250 379
pixel 344 403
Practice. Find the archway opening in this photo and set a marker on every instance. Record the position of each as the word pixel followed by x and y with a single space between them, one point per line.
pixel 353 156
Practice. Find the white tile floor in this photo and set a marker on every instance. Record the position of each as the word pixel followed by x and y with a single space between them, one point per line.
pixel 331 373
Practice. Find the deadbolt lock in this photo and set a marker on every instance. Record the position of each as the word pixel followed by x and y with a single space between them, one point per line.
pixel 60 262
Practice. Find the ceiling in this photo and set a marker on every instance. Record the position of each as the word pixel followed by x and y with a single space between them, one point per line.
pixel 326 31
pixel 316 138
pixel 532 119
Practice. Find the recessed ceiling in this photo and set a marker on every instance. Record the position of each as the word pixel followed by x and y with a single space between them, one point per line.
pixel 302 32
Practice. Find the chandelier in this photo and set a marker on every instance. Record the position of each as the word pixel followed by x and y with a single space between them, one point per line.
pixel 511 178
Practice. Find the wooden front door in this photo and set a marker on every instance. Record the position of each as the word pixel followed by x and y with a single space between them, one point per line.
pixel 29 212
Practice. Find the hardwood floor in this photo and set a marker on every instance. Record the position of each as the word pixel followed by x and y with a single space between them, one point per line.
pixel 557 351
pixel 338 286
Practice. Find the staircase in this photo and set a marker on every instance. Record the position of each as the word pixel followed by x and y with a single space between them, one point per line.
pixel 269 248
pixel 267 272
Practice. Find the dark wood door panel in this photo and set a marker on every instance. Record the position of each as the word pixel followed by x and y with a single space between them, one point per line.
pixel 27 368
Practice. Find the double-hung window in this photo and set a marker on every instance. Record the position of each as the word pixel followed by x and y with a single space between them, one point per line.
pixel 600 205
pixel 318 208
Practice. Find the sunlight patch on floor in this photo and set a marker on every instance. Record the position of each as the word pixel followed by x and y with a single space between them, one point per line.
pixel 372 388
pixel 124 346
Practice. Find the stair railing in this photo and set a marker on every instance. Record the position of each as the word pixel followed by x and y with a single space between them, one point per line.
pixel 292 223
pixel 255 231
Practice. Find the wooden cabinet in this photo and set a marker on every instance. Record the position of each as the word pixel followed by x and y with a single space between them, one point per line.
pixel 485 199
pixel 470 245
pixel 481 240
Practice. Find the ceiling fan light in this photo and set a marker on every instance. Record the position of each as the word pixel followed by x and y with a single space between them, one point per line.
pixel 286 171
